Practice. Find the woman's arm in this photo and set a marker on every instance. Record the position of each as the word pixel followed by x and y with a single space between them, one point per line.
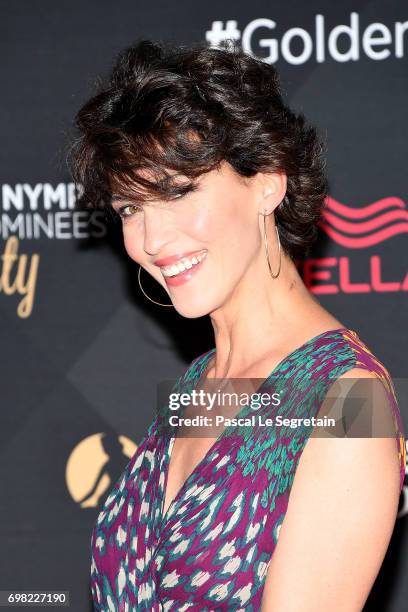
pixel 340 517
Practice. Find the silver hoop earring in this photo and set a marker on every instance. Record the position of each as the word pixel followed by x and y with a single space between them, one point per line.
pixel 144 292
pixel 266 250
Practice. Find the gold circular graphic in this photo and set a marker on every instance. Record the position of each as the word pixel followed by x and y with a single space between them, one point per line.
pixel 95 464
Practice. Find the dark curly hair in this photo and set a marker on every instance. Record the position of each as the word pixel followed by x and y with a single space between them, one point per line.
pixel 187 109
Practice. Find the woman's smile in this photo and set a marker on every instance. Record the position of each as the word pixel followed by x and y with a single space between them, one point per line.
pixel 182 271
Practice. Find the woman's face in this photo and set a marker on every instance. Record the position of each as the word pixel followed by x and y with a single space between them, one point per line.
pixel 217 221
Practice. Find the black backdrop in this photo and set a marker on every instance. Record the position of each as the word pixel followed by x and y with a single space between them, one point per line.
pixel 82 349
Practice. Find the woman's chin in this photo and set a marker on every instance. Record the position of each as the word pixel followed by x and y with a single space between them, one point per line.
pixel 191 309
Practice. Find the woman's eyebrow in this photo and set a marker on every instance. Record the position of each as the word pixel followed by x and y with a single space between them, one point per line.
pixel 117 198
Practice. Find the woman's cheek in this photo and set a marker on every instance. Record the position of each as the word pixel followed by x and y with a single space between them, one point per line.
pixel 132 248
pixel 202 222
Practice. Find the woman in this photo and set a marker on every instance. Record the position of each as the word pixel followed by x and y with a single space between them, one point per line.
pixel 219 187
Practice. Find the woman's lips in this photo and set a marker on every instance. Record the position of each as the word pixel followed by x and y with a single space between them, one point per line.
pixel 184 277
pixel 173 259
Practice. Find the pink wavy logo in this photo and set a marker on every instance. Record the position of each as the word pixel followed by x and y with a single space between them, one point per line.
pixel 348 231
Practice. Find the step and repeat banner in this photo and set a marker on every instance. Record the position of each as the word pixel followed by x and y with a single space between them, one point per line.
pixel 83 350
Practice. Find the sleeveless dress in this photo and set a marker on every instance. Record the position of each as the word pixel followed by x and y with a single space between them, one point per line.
pixel 212 548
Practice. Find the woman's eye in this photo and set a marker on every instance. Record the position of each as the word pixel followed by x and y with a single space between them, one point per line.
pixel 128 210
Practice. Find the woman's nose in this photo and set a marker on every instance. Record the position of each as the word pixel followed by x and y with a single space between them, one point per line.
pixel 158 230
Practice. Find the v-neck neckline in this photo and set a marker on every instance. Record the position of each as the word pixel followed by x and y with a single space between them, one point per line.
pixel 203 365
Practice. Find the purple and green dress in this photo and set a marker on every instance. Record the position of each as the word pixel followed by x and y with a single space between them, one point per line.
pixel 212 548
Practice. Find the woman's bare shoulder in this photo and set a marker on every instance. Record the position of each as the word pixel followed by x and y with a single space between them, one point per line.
pixel 340 517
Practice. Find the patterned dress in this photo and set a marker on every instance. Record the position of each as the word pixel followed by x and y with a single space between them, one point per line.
pixel 211 549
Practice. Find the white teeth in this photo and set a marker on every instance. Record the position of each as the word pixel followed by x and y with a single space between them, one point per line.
pixel 184 264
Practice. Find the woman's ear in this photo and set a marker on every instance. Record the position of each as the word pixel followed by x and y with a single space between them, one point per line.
pixel 272 188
